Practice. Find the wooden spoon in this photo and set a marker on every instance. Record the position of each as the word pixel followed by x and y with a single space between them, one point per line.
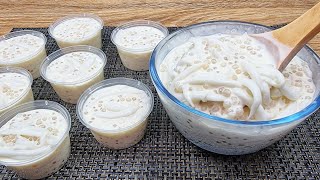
pixel 286 42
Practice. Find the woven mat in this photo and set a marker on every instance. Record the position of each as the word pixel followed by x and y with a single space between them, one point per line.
pixel 165 154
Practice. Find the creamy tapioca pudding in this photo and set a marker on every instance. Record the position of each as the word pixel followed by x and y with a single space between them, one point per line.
pixel 34 143
pixel 24 49
pixel 117 115
pixel 15 88
pixel 139 37
pixel 70 74
pixel 77 30
pixel 135 41
pixel 235 77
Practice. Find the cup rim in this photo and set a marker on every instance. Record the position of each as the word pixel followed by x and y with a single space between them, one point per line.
pixel 9 69
pixel 63 51
pixel 21 33
pixel 39 104
pixel 74 16
pixel 108 83
pixel 134 23
pixel 304 113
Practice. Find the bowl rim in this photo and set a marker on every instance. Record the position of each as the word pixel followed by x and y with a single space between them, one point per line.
pixel 304 113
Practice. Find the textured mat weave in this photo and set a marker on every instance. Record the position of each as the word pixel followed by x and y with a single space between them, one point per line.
pixel 165 154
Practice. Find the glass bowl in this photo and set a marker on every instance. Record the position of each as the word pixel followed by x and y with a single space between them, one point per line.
pixel 219 135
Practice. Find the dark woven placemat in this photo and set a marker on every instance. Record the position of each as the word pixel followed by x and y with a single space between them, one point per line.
pixel 165 154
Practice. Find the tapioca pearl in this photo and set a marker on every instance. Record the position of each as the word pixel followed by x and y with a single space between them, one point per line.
pixel 235 100
pixel 226 92
pixel 223 64
pixel 310 90
pixel 234 77
pixel 227 103
pixel 238 71
pixel 307 97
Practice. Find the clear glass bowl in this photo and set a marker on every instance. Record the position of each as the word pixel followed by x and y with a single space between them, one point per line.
pixel 219 135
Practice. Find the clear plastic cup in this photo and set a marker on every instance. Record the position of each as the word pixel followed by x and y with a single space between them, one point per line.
pixel 136 59
pixel 92 39
pixel 123 137
pixel 49 162
pixel 31 62
pixel 71 91
pixel 26 96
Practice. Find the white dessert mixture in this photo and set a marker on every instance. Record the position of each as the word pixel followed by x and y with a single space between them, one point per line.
pixel 12 87
pixel 76 29
pixel 235 77
pixel 73 67
pixel 20 47
pixel 139 37
pixel 116 107
pixel 30 134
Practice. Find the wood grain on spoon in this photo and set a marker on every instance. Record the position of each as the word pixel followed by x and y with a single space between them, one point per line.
pixel 287 41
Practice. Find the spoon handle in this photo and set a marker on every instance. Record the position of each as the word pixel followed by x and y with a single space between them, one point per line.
pixel 296 34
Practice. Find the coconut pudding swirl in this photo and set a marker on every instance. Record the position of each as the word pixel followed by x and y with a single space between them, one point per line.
pixel 116 107
pixel 235 77
pixel 73 67
pixel 31 133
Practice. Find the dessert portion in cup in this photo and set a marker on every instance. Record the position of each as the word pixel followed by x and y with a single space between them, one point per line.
pixel 24 49
pixel 15 87
pixel 116 111
pixel 136 40
pixel 224 92
pixel 72 70
pixel 81 29
pixel 34 139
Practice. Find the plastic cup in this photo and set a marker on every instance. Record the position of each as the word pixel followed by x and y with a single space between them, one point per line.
pixel 31 62
pixel 26 96
pixel 123 137
pixel 136 59
pixel 71 91
pixel 91 39
pixel 49 162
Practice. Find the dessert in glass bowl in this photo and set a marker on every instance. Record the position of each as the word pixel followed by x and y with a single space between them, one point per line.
pixel 223 92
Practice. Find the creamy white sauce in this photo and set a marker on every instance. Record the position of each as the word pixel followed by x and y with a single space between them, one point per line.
pixel 12 87
pixel 74 67
pixel 30 134
pixel 19 48
pixel 76 29
pixel 139 37
pixel 116 107
pixel 235 77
